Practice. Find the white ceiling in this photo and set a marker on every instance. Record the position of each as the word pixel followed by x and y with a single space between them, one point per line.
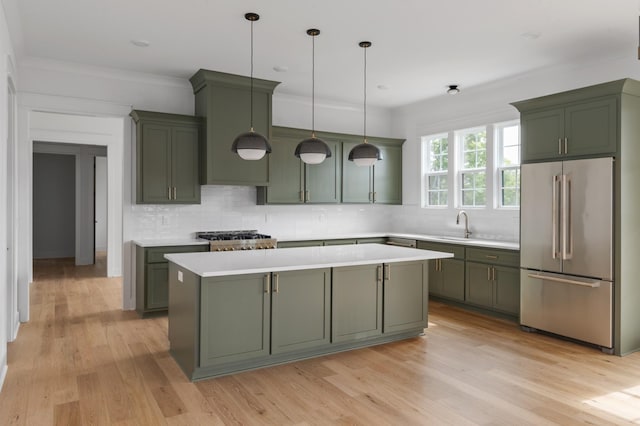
pixel 419 46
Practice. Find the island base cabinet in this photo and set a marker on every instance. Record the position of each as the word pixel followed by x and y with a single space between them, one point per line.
pixel 235 318
pixel 405 296
pixel 357 303
pixel 301 310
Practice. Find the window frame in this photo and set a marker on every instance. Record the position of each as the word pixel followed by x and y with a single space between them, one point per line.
pixel 492 170
pixel 427 173
pixel 461 171
pixel 500 167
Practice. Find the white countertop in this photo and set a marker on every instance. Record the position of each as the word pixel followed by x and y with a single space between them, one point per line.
pixel 212 264
pixel 160 242
pixel 507 245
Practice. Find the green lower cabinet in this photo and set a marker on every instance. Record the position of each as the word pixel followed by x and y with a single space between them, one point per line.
pixel 235 318
pixel 493 287
pixel 446 278
pixel 507 290
pixel 405 296
pixel 300 310
pixel 157 289
pixel 306 243
pixel 356 303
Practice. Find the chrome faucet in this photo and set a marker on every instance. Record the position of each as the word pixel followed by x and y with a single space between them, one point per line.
pixel 466 223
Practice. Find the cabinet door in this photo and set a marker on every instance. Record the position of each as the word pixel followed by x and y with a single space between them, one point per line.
pixel 387 176
pixel 591 127
pixel 157 286
pixel 234 318
pixel 285 173
pixel 323 182
pixel 356 181
pixel 184 165
pixel 479 288
pixel 301 309
pixel 405 296
pixel 154 173
pixel 452 279
pixel 542 134
pixel 356 303
pixel 435 278
pixel 507 289
pixel 228 115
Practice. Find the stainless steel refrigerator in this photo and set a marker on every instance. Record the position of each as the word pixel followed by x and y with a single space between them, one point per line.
pixel 566 249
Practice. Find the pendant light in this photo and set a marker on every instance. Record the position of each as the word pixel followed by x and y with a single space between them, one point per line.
pixel 365 154
pixel 313 150
pixel 251 145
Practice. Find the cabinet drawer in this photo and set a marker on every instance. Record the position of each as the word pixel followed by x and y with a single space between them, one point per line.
pixel 156 254
pixel 458 251
pixel 495 257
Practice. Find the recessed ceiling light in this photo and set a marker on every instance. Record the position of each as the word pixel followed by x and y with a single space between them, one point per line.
pixel 280 68
pixel 453 89
pixel 383 87
pixel 140 43
pixel 531 35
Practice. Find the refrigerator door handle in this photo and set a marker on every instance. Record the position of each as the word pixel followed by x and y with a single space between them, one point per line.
pixel 567 224
pixel 555 233
pixel 585 283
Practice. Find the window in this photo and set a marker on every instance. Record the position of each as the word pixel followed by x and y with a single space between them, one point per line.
pixel 436 153
pixel 473 167
pixel 508 170
pixel 477 167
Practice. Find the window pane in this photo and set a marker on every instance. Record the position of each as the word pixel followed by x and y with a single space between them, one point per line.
pixel 510 187
pixel 509 145
pixel 438 151
pixel 474 150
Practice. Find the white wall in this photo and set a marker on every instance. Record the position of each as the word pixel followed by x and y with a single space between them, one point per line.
pixel 6 56
pixel 101 204
pixel 481 105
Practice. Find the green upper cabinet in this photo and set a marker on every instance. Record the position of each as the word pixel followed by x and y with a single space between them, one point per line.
pixel 224 100
pixel 381 183
pixel 167 149
pixel 291 181
pixel 576 124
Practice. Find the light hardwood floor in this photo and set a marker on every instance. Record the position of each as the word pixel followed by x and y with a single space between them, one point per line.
pixel 81 361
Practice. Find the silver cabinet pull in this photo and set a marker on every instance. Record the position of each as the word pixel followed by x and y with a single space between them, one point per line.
pixel 174 193
pixel 493 274
pixel 566 150
pixel 276 283
pixel 301 194
pixel 387 272
pixel 559 146
pixel 168 192
pixel 307 196
pixel 267 283
pixel 374 196
pixel 370 196
pixel 488 273
pixel 379 273
pixel 491 256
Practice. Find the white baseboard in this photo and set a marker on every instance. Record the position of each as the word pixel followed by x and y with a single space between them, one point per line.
pixel 3 370
pixel 14 332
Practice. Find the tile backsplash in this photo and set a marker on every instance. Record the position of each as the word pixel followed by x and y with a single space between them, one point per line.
pixel 234 208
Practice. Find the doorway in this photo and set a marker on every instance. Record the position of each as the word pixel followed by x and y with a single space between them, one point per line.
pixel 65 197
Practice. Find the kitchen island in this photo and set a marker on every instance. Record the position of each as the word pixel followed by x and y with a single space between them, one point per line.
pixel 235 311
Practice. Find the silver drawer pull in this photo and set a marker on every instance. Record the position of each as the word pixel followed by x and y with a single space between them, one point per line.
pixel 491 256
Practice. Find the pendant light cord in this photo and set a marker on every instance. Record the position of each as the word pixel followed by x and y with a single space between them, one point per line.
pixel 313 86
pixel 365 96
pixel 251 104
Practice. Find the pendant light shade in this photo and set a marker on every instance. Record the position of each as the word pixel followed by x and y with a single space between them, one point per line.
pixel 251 145
pixel 313 150
pixel 365 154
